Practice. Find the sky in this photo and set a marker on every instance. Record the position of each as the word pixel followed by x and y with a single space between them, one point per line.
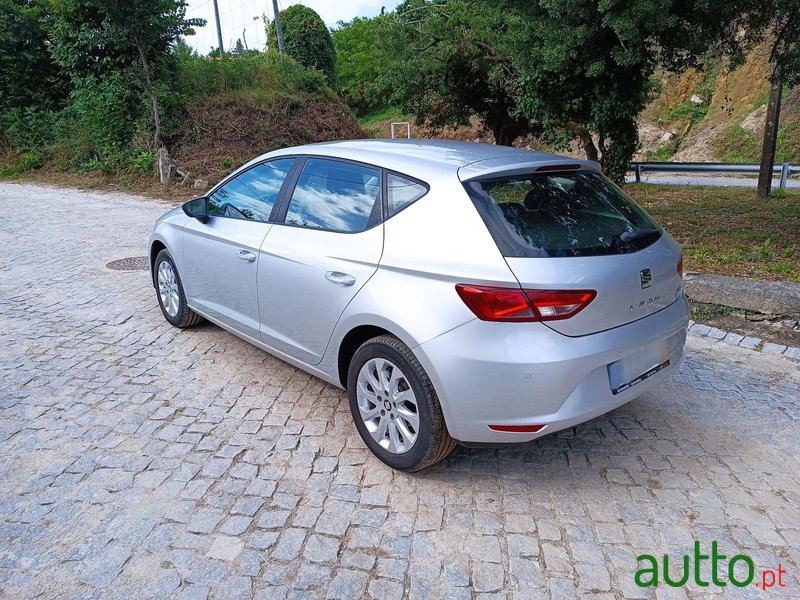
pixel 242 18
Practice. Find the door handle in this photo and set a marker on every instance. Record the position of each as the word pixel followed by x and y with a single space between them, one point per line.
pixel 340 278
pixel 246 255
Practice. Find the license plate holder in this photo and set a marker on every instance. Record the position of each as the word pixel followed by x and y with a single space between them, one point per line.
pixel 638 366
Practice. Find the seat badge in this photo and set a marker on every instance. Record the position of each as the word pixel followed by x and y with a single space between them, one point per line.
pixel 646 278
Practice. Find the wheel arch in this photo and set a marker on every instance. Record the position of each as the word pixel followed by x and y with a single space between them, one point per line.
pixel 156 246
pixel 351 342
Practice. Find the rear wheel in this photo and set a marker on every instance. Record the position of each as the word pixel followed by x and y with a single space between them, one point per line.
pixel 171 297
pixel 395 407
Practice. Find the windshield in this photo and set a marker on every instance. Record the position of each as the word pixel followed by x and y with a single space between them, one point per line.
pixel 564 214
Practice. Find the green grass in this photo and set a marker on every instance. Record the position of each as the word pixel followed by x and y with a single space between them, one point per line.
pixel 788 144
pixel 662 154
pixel 735 144
pixel 727 230
pixel 687 111
pixel 386 114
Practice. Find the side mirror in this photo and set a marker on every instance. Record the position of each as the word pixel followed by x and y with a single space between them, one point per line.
pixel 197 209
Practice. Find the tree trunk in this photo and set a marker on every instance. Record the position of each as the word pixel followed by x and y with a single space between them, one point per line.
pixel 153 98
pixel 770 135
pixel 586 139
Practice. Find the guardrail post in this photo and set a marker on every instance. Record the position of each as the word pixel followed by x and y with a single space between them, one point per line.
pixel 784 175
pixel 638 170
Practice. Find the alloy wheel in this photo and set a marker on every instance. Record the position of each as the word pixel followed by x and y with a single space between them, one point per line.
pixel 387 405
pixel 168 288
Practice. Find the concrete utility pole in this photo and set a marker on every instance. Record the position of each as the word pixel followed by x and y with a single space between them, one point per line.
pixel 278 31
pixel 219 29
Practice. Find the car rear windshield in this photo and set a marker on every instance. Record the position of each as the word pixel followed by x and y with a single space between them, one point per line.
pixel 561 214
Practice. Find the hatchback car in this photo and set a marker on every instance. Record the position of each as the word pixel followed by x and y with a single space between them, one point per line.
pixel 460 293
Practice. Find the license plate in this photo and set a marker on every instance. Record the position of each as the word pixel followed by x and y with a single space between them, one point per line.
pixel 635 368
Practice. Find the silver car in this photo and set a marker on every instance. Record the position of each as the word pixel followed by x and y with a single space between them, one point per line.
pixel 461 293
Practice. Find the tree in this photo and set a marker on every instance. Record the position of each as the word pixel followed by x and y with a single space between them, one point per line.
pixel 587 65
pixel 97 42
pixel 28 76
pixel 778 21
pixel 363 64
pixel 451 61
pixel 306 39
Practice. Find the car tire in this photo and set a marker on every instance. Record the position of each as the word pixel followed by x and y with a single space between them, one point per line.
pixel 169 291
pixel 383 413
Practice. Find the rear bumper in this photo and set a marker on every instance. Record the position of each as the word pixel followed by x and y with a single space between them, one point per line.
pixel 526 373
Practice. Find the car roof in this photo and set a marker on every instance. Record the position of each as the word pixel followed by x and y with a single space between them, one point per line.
pixel 470 160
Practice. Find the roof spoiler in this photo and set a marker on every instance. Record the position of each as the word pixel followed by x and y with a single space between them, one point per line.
pixel 511 165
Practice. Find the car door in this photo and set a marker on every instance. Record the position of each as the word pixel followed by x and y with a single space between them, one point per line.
pixel 325 245
pixel 221 256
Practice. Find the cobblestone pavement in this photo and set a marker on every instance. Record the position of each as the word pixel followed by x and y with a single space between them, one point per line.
pixel 137 460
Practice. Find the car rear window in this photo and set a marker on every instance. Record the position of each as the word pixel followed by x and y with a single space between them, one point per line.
pixel 564 214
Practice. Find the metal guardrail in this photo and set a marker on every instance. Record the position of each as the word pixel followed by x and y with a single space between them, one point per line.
pixel 785 169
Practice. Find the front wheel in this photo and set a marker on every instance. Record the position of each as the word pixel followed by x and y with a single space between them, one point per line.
pixel 171 297
pixel 395 407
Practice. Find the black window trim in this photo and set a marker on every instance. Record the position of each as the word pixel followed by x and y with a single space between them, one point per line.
pixel 386 187
pixel 376 217
pixel 236 174
pixel 281 206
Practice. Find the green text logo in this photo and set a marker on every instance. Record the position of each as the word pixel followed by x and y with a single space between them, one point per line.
pixel 652 574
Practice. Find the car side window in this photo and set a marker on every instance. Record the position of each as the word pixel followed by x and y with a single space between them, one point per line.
pixel 251 195
pixel 335 196
pixel 402 191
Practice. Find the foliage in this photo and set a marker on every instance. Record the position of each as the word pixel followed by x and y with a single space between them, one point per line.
pixel 27 161
pixel 28 76
pixel 364 68
pixel 29 128
pixel 306 39
pixel 735 144
pixel 562 65
pixel 452 61
pixel 788 144
pixel 197 76
pixel 662 154
pixel 591 63
pixel 117 55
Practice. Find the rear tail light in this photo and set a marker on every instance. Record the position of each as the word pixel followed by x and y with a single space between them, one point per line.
pixel 515 304
pixel 555 305
pixel 558 168
pixel 497 303
pixel 680 267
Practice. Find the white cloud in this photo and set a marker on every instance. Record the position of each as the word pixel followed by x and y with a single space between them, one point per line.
pixel 241 19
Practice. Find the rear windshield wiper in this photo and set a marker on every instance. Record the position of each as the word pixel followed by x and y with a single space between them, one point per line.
pixel 626 237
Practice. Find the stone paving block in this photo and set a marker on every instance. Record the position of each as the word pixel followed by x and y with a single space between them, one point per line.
pixel 793 353
pixel 715 334
pixel 156 462
pixel 347 584
pixel 733 338
pixel 320 548
pixel 770 348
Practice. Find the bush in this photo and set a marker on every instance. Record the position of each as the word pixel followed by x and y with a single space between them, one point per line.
pixel 30 128
pixel 27 161
pixel 306 39
pixel 199 76
pixel 104 113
